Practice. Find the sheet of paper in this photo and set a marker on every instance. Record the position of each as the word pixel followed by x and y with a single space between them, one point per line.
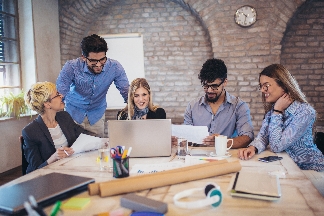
pixel 86 143
pixel 152 168
pixel 193 134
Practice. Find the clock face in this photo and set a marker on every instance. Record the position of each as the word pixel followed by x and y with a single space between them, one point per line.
pixel 245 16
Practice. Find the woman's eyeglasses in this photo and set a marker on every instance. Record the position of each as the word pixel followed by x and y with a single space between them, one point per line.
pixel 264 87
pixel 57 95
pixel 212 86
pixel 95 61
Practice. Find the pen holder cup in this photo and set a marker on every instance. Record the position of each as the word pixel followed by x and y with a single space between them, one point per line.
pixel 121 167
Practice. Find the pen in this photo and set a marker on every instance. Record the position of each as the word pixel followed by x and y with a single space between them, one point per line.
pixel 66 152
pixel 206 159
pixel 32 207
pixel 29 209
pixel 129 151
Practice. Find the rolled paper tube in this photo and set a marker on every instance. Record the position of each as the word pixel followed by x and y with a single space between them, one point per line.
pixel 160 179
pixel 94 189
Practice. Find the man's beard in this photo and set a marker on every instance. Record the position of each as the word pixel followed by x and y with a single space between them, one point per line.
pixel 91 69
pixel 213 100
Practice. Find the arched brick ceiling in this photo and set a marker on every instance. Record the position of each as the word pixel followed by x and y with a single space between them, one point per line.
pixel 79 14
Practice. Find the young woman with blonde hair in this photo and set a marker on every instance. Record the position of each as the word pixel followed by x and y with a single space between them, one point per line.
pixel 49 137
pixel 140 104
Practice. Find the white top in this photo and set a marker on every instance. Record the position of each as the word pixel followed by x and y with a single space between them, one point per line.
pixel 58 136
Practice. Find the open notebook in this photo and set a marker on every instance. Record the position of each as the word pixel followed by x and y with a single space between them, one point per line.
pixel 256 185
pixel 46 189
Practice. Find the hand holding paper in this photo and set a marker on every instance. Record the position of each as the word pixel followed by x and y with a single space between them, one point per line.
pixel 86 143
pixel 195 134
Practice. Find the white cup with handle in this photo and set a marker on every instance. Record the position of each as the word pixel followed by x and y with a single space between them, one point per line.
pixel 221 145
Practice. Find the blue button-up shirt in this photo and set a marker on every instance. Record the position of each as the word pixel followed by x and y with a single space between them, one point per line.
pixel 232 118
pixel 85 92
pixel 292 132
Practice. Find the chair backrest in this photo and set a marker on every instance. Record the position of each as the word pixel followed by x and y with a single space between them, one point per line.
pixel 24 163
pixel 319 141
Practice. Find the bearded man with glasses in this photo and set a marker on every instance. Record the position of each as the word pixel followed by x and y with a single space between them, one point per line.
pixel 84 83
pixel 223 113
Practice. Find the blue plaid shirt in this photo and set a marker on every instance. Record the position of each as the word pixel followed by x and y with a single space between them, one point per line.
pixel 85 92
pixel 292 132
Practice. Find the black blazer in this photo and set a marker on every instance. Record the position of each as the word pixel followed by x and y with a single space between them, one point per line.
pixel 38 143
pixel 158 114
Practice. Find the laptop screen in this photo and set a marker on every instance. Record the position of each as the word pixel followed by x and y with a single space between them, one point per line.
pixel 148 138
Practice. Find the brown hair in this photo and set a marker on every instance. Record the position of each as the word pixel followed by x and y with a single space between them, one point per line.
pixel 285 80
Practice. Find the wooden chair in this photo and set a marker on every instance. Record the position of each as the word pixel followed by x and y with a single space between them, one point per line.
pixel 24 163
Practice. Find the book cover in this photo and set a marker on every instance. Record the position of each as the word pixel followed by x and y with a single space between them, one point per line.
pixel 256 186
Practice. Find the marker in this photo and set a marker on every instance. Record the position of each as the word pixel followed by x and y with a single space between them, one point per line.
pixel 124 154
pixel 56 208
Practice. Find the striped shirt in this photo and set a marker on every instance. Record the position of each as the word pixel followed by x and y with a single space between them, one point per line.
pixel 85 92
pixel 292 132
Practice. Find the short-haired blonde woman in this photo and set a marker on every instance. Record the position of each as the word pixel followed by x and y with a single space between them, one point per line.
pixel 48 138
pixel 140 105
pixel 288 121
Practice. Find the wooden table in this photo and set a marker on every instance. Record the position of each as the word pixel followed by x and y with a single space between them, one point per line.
pixel 299 196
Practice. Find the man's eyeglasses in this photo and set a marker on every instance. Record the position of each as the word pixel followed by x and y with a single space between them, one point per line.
pixel 57 95
pixel 264 87
pixel 213 86
pixel 95 61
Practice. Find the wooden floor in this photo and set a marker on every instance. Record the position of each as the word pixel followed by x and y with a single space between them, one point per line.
pixel 10 175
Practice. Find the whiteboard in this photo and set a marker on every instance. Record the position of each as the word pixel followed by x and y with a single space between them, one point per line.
pixel 127 49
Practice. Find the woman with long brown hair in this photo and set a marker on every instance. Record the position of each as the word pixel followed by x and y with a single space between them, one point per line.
pixel 288 122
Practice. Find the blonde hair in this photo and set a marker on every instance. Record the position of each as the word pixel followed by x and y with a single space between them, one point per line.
pixel 286 81
pixel 136 84
pixel 38 94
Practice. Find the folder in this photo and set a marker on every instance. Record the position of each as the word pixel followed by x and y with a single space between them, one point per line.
pixel 256 186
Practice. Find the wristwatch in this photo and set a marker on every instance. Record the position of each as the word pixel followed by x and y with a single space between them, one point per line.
pixel 256 150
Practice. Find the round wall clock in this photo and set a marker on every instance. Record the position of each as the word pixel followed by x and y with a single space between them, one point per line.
pixel 245 16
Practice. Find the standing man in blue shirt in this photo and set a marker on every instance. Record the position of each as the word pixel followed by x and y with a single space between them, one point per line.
pixel 84 83
pixel 223 113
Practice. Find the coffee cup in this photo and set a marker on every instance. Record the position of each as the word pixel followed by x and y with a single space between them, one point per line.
pixel 221 145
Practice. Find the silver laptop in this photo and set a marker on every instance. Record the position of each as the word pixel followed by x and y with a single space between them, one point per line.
pixel 46 190
pixel 148 138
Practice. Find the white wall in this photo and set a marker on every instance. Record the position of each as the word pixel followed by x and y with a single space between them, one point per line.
pixel 39 41
pixel 46 39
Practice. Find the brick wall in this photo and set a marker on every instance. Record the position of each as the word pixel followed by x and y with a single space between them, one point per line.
pixel 303 53
pixel 175 47
pixel 179 35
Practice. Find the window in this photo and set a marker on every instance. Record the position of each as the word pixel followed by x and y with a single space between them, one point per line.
pixel 10 80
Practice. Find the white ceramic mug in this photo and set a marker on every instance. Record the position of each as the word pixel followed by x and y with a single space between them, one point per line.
pixel 221 145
